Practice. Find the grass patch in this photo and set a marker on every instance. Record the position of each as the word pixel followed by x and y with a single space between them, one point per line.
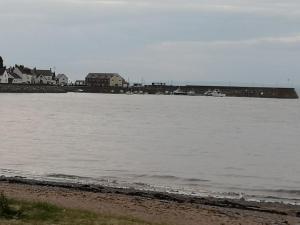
pixel 7 211
pixel 13 212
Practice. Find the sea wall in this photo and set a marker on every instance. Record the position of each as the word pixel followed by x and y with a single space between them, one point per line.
pixel 25 88
pixel 233 91
pixel 258 92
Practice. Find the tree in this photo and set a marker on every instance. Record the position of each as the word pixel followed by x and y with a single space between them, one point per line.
pixel 1 62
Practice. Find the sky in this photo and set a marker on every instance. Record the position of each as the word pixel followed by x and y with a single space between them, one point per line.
pixel 190 41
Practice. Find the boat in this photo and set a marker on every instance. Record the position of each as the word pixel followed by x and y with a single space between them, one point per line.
pixel 208 93
pixel 191 93
pixel 217 93
pixel 214 93
pixel 178 91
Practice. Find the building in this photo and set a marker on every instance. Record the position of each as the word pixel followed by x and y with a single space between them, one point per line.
pixel 13 78
pixel 158 84
pixel 105 80
pixel 24 73
pixel 62 79
pixel 3 76
pixel 43 77
pixel 80 82
pixel 3 73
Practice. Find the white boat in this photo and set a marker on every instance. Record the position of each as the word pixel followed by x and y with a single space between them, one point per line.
pixel 208 93
pixel 178 91
pixel 191 93
pixel 217 93
pixel 214 93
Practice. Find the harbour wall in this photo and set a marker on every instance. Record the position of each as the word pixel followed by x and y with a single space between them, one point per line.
pixel 26 88
pixel 231 91
pixel 234 91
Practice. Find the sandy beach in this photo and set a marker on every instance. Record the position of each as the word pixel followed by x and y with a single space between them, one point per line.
pixel 151 207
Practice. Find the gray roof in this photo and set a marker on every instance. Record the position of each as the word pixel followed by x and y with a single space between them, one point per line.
pixel 43 72
pixel 61 75
pixel 101 75
pixel 14 75
pixel 24 70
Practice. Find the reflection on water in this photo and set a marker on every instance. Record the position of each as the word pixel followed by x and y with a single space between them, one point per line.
pixel 197 145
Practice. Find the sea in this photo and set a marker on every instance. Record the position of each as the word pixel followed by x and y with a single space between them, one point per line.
pixel 194 145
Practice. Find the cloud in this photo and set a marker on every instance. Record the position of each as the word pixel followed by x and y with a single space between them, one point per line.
pixel 157 39
pixel 277 41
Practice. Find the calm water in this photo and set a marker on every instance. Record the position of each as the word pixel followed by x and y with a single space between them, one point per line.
pixel 194 145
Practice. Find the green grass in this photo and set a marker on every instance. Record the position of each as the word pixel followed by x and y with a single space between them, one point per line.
pixel 13 212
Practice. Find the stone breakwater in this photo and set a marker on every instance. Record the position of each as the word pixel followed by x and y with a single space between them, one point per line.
pixel 230 91
pixel 25 88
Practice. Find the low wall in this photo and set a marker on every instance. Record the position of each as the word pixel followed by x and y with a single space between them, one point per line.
pixel 232 91
pixel 25 88
pixel 258 92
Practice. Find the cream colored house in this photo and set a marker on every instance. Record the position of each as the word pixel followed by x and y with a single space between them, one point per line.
pixel 105 80
pixel 116 81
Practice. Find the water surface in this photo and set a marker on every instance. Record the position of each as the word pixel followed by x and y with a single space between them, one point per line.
pixel 194 145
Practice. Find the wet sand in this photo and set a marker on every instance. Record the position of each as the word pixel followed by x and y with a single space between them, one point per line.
pixel 151 206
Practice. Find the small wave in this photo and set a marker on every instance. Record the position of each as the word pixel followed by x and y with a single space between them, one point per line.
pixel 65 176
pixel 8 170
pixel 171 178
pixel 196 180
pixel 141 184
pixel 286 191
pixel 168 177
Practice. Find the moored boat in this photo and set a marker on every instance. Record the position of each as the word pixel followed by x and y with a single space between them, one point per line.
pixel 178 91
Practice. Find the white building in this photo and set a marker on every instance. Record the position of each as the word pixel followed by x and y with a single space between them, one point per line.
pixel 80 83
pixel 62 79
pixel 3 76
pixel 43 77
pixel 116 81
pixel 13 78
pixel 23 72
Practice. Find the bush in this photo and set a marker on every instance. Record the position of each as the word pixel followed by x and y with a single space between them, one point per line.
pixel 6 211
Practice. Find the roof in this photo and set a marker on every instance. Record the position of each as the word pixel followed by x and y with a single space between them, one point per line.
pixel 44 72
pixel 24 70
pixel 102 75
pixel 61 75
pixel 14 75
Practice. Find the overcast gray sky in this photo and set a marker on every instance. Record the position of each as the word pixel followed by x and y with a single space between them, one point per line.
pixel 230 41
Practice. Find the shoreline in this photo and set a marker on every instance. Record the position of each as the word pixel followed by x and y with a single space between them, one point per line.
pixel 149 204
